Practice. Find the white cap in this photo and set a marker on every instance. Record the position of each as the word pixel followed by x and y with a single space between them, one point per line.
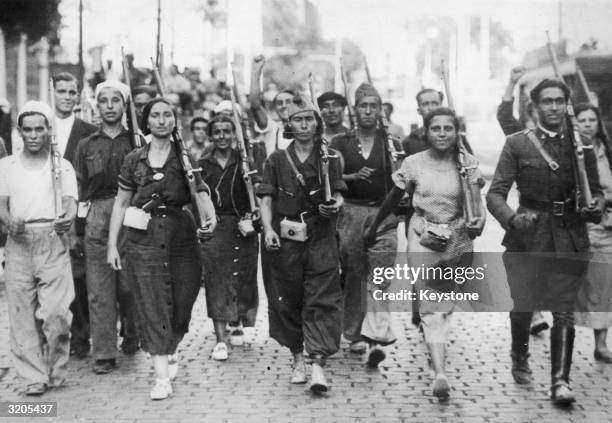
pixel 39 107
pixel 226 106
pixel 115 85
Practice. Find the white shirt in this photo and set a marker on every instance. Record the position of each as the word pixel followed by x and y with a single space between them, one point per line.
pixel 273 136
pixel 63 127
pixel 30 191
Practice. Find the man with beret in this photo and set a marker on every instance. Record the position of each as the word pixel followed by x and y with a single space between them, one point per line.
pixel 332 107
pixel 98 161
pixel 546 238
pixel 69 130
pixel 367 173
pixel 304 283
pixel 38 276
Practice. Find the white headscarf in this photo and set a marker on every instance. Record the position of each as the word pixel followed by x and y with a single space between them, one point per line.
pixel 37 107
pixel 116 85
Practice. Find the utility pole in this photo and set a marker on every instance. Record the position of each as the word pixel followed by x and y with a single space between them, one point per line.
pixel 157 51
pixel 81 64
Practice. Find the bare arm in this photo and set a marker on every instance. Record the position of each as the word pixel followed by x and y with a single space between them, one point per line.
pixel 259 113
pixel 122 202
pixel 271 239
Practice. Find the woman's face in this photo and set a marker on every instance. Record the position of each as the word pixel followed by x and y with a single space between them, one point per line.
pixel 587 123
pixel 442 134
pixel 161 120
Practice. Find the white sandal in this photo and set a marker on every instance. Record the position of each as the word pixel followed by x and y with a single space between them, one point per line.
pixel 161 390
pixel 220 352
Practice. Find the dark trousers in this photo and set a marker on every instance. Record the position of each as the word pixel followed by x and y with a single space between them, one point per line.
pixel 305 281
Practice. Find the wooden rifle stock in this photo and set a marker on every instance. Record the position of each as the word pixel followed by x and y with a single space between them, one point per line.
pixel 56 159
pixel 584 197
pixel 245 122
pixel 244 159
pixel 159 83
pixel 132 120
pixel 471 212
pixel 349 107
pixel 324 151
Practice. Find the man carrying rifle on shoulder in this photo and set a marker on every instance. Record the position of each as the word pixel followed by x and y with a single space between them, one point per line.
pixel 367 173
pixel 98 162
pixel 546 238
pixel 39 284
pixel 332 106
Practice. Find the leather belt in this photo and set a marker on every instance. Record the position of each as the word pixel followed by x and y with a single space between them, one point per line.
pixel 556 208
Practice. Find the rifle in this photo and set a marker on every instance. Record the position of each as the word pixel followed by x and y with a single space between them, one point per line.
pixel 245 226
pixel 471 212
pixel 349 108
pixel 245 122
pixel 584 197
pixel 159 83
pixel 185 160
pixel 56 159
pixel 396 156
pixel 324 151
pixel 132 120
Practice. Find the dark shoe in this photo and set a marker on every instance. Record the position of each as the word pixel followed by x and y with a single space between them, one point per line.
pixel 318 383
pixel 35 389
pixel 375 356
pixel 102 367
pixel 561 349
pixel 129 346
pixel 605 356
pixel 538 323
pixel 521 372
pixel 440 387
pixel 80 351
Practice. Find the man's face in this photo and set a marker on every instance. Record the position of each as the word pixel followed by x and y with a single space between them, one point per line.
pixel 387 110
pixel 35 133
pixel 199 132
pixel 280 104
pixel 222 135
pixel 428 101
pixel 367 111
pixel 110 105
pixel 141 100
pixel 587 123
pixel 551 107
pixel 66 95
pixel 303 125
pixel 332 112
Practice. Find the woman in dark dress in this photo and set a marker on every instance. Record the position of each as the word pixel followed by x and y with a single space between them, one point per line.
pixel 229 258
pixel 162 253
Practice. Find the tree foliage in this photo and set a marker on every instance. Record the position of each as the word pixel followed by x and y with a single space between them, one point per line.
pixel 36 18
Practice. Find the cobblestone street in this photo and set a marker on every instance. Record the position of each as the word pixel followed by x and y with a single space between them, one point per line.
pixel 252 386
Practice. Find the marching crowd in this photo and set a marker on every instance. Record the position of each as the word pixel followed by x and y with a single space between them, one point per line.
pixel 324 192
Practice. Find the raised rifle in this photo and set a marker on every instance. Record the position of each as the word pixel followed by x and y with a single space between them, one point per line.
pixel 323 151
pixel 56 159
pixel 396 156
pixel 470 208
pixel 245 122
pixel 245 226
pixel 584 197
pixel 185 159
pixel 349 108
pixel 132 120
pixel 159 83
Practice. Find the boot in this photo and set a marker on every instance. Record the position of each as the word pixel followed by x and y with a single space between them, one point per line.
pixel 561 348
pixel 519 327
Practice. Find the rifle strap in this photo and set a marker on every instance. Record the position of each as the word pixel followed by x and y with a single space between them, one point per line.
pixel 298 175
pixel 552 164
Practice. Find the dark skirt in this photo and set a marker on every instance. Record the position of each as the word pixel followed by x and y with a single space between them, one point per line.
pixel 163 266
pixel 230 273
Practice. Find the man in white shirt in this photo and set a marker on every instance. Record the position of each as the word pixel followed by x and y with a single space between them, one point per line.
pixel 69 130
pixel 38 276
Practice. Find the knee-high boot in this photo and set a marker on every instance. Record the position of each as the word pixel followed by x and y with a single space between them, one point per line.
pixel 519 328
pixel 561 349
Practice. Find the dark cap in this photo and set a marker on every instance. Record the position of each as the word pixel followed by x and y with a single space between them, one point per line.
pixel 331 96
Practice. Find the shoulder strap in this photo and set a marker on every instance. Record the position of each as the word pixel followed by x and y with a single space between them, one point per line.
pixel 298 175
pixel 554 166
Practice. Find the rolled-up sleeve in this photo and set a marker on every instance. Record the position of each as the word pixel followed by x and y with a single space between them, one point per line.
pixel 402 176
pixel 269 182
